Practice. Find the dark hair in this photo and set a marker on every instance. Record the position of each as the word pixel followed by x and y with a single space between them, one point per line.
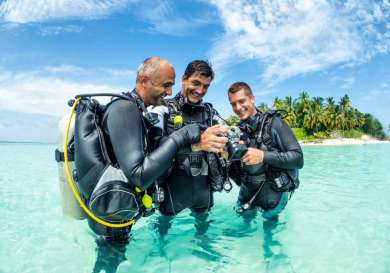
pixel 203 67
pixel 237 86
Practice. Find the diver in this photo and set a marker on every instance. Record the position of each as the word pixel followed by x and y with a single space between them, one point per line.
pixel 125 125
pixel 196 171
pixel 268 171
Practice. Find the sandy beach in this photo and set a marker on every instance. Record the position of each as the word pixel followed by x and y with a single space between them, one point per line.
pixel 365 139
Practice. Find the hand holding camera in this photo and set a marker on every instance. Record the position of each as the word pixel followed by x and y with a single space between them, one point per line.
pixel 213 140
pixel 236 149
pixel 253 156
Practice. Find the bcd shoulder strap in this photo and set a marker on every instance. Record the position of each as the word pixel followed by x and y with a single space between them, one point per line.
pixel 265 137
pixel 173 106
pixel 211 112
pixel 264 134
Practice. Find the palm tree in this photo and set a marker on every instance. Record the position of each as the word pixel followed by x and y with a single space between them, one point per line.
pixel 313 116
pixel 301 107
pixel 341 120
pixel 329 114
pixel 359 119
pixel 344 114
pixel 263 107
pixel 278 104
pixel 345 102
pixel 303 96
pixel 291 117
pixel 372 126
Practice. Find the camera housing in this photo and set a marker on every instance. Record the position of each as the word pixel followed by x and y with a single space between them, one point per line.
pixel 235 149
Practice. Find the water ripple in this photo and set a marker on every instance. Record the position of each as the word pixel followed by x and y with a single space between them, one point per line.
pixel 337 221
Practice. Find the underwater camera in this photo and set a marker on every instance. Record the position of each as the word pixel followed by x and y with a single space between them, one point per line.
pixel 235 149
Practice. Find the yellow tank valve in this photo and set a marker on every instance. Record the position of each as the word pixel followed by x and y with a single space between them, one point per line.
pixel 147 201
pixel 178 120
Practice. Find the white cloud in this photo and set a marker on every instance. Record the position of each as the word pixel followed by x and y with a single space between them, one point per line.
pixel 117 73
pixel 290 38
pixel 265 92
pixel 47 90
pixel 344 82
pixel 100 72
pixel 163 17
pixel 176 26
pixel 64 69
pixel 348 83
pixel 55 30
pixel 26 11
pixel 379 92
pixel 373 94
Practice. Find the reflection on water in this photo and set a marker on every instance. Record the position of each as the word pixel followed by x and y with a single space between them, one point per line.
pixel 110 253
pixel 275 256
pixel 202 244
pixel 247 228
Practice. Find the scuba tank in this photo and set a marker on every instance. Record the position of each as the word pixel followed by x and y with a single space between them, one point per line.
pixel 70 206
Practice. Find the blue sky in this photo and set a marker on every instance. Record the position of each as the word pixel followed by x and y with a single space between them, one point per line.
pixel 51 50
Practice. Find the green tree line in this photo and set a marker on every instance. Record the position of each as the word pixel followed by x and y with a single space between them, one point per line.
pixel 321 117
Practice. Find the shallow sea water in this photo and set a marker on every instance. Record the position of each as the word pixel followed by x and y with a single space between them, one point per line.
pixel 337 221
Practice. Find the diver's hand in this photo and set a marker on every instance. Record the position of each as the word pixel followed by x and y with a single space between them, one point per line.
pixel 212 140
pixel 186 135
pixel 253 156
pixel 225 154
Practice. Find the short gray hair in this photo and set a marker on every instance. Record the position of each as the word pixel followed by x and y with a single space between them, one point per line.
pixel 149 67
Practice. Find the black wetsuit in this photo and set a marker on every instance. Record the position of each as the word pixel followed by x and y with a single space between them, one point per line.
pixel 182 188
pixel 126 136
pixel 283 152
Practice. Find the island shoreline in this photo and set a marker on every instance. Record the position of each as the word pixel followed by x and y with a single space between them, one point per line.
pixel 342 141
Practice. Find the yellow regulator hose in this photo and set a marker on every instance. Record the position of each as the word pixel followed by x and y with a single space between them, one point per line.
pixel 72 184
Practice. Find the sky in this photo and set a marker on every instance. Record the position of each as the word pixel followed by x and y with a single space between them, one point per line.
pixel 51 50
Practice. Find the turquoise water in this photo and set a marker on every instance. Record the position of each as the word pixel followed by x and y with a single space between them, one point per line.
pixel 338 221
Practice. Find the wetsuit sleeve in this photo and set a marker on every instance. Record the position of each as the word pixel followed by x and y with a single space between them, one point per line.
pixel 290 156
pixel 128 138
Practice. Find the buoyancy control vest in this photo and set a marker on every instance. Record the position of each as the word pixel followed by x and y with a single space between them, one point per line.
pixel 181 112
pixel 100 187
pixel 258 131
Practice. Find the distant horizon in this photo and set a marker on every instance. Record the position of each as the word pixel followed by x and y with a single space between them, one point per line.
pixel 26 142
pixel 43 128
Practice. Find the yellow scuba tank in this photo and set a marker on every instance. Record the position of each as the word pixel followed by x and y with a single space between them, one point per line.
pixel 70 206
